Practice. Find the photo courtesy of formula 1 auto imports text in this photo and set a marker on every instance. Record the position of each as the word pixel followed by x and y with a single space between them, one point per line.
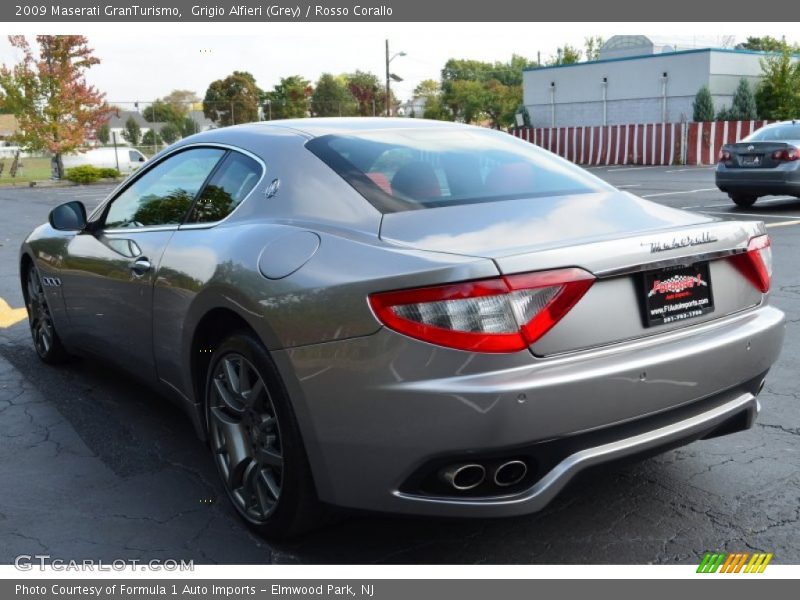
pixel 390 300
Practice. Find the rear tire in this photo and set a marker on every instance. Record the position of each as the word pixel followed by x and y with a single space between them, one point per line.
pixel 743 200
pixel 256 442
pixel 43 330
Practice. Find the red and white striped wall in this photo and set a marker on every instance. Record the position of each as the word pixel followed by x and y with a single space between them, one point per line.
pixel 640 143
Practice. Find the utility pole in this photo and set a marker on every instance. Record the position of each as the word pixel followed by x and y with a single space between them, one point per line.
pixel 388 91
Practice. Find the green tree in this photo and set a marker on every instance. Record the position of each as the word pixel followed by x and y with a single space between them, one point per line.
pixel 565 55
pixel 151 138
pixel 188 127
pixel 368 92
pixel 232 100
pixel 331 98
pixel 762 44
pixel 724 114
pixel 170 133
pixel 289 98
pixel 592 45
pixel 743 107
pixel 132 133
pixel 427 88
pixel 162 112
pixel 703 106
pixel 104 134
pixel 56 108
pixel 778 93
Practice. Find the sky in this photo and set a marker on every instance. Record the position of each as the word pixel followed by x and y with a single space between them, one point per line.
pixel 141 62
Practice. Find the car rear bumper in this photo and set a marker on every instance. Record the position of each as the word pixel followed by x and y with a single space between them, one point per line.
pixel 779 180
pixel 380 413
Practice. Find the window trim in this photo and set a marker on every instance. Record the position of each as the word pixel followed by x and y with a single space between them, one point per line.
pixel 99 213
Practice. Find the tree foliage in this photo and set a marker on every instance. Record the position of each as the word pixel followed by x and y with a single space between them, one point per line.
pixel 473 91
pixel 289 98
pixel 232 100
pixel 56 108
pixel 765 44
pixel 332 98
pixel 132 133
pixel 163 112
pixel 170 133
pixel 592 45
pixel 703 106
pixel 778 93
pixel 368 92
pixel 743 106
pixel 566 55
pixel 103 134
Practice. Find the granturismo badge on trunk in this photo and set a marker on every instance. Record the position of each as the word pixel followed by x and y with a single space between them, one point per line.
pixel 683 242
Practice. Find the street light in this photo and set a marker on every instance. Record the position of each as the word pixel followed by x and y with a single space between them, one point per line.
pixel 390 77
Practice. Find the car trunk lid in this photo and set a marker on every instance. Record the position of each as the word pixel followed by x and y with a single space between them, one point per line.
pixel 756 155
pixel 616 236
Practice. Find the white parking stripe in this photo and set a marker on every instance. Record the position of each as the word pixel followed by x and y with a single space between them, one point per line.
pixel 760 202
pixel 628 185
pixel 737 213
pixel 677 193
pixel 631 169
pixel 690 169
pixel 783 224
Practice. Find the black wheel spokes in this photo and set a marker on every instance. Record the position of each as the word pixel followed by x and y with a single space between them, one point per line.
pixel 39 313
pixel 246 436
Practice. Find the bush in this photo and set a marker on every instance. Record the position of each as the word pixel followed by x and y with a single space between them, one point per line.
pixel 703 106
pixel 89 174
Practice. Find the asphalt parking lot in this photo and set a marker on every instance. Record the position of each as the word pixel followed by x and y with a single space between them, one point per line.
pixel 93 465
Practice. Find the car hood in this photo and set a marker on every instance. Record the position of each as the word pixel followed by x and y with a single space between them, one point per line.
pixel 506 228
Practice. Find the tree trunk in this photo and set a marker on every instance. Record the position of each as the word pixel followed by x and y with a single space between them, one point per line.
pixel 59 165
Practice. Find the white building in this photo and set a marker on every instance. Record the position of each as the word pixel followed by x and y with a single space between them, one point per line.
pixel 635 81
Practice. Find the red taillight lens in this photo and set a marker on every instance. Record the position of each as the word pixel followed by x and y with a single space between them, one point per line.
pixel 724 156
pixel 756 263
pixel 788 154
pixel 505 314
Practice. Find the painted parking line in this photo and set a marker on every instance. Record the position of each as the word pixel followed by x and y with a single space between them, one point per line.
pixel 744 214
pixel 679 193
pixel 760 202
pixel 629 185
pixel 10 316
pixel 631 169
pixel 690 169
pixel 783 224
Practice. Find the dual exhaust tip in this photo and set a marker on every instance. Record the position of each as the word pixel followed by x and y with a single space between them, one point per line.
pixel 467 476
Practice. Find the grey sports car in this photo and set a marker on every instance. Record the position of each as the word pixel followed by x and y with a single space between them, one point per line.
pixel 406 316
pixel 766 162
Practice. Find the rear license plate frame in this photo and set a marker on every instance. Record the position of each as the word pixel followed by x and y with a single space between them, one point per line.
pixel 675 294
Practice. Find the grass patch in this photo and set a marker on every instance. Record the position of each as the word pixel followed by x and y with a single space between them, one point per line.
pixel 30 169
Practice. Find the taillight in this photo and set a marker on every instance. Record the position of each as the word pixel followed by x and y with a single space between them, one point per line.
pixel 787 154
pixel 505 314
pixel 724 156
pixel 756 263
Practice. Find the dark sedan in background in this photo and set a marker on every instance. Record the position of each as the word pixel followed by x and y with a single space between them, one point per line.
pixel 767 162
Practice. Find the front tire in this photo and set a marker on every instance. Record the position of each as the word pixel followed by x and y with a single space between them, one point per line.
pixel 743 200
pixel 256 442
pixel 43 331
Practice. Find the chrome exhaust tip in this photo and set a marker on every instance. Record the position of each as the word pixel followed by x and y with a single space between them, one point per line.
pixel 463 477
pixel 510 473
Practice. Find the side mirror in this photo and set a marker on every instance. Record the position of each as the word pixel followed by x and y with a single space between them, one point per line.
pixel 141 159
pixel 70 216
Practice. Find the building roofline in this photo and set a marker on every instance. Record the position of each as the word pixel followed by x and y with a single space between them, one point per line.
pixel 644 56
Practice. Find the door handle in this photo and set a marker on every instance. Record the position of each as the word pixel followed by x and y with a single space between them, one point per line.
pixel 140 266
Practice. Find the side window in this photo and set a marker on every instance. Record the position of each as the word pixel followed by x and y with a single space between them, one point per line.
pixel 134 156
pixel 234 179
pixel 163 195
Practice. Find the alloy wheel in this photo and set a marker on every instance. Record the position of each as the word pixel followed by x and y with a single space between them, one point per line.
pixel 41 322
pixel 245 437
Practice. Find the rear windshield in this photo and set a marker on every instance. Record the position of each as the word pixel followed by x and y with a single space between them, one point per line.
pixel 426 168
pixel 789 131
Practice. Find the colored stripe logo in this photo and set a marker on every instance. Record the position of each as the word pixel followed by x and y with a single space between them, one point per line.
pixel 738 562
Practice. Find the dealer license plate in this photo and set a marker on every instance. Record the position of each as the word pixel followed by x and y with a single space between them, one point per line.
pixel 677 293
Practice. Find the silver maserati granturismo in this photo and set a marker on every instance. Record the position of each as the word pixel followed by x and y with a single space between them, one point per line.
pixel 406 316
